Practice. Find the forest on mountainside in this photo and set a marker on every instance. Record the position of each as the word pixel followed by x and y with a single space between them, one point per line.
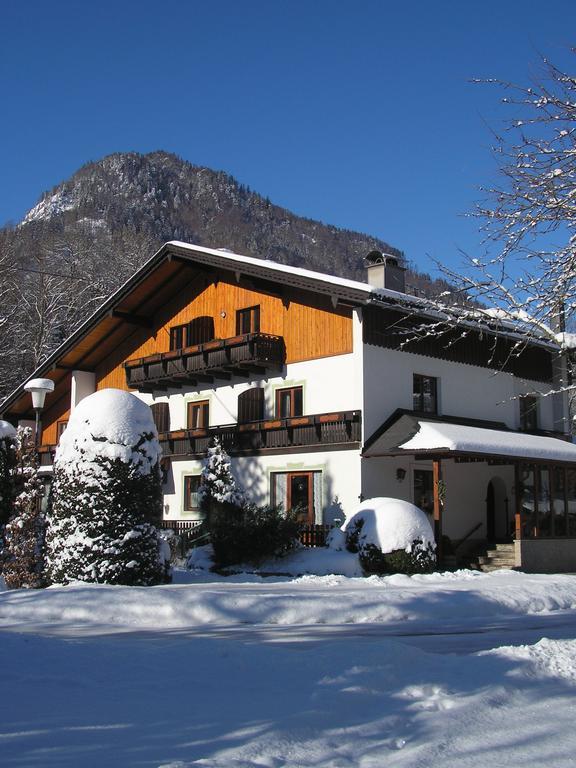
pixel 90 233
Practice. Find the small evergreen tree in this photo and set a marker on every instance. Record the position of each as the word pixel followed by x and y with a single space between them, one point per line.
pixel 220 495
pixel 24 534
pixel 106 495
pixel 7 467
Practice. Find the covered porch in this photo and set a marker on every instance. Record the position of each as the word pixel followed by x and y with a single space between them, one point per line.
pixel 483 483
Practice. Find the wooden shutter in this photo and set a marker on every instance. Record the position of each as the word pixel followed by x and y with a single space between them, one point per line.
pixel 200 329
pixel 251 405
pixel 161 415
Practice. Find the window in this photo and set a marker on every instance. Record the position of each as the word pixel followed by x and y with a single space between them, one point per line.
pixel 424 394
pixel 197 331
pixel 198 415
pixel 191 496
pixel 60 429
pixel 424 490
pixel 528 412
pixel 178 336
pixel 289 402
pixel 298 491
pixel 248 320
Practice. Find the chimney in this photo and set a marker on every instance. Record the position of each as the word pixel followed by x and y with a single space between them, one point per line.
pixel 385 271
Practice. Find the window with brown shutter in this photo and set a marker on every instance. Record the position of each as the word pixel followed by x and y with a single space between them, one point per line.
pixel 191 495
pixel 161 416
pixel 179 336
pixel 251 405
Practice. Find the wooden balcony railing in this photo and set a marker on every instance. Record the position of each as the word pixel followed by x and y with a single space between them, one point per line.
pixel 325 429
pixel 217 359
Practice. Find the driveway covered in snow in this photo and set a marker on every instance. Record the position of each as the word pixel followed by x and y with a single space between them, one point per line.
pixel 449 670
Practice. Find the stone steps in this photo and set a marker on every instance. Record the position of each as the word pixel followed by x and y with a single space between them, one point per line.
pixel 500 556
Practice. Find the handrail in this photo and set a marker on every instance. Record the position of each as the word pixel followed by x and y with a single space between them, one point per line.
pixel 470 532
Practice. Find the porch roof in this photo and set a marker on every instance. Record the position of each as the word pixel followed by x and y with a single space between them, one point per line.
pixel 411 434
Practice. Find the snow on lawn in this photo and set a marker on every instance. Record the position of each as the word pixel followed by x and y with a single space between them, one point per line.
pixel 83 685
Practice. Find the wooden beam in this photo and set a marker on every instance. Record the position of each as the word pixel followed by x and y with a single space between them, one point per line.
pixel 518 502
pixel 438 505
pixel 129 317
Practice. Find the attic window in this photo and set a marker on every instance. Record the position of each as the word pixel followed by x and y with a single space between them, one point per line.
pixel 248 320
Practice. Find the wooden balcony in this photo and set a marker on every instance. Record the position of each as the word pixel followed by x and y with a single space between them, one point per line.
pixel 329 430
pixel 220 359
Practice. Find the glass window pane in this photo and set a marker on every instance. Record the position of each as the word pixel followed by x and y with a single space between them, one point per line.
pixel 544 505
pixel 528 501
pixel 571 487
pixel 558 507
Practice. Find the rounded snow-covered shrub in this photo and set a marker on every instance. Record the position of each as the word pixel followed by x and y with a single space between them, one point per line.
pixel 106 495
pixel 391 536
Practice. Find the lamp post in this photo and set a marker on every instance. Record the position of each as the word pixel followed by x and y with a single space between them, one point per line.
pixel 38 388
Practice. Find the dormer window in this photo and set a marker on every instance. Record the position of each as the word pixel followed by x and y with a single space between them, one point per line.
pixel 425 393
pixel 528 413
pixel 248 320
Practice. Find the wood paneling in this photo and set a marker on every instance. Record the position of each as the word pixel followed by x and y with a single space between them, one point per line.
pixel 311 328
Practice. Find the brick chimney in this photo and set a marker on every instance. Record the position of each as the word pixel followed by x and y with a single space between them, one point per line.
pixel 385 271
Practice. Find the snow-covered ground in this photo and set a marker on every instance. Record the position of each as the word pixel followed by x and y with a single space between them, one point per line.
pixel 451 670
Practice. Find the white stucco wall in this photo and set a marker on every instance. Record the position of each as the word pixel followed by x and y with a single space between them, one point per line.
pixel 463 390
pixel 466 490
pixel 328 384
pixel 340 479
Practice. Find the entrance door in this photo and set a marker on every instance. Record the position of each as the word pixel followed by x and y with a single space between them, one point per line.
pixel 300 492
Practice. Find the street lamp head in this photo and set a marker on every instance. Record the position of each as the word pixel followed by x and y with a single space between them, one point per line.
pixel 39 388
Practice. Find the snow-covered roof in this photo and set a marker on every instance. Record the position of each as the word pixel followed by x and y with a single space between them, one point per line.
pixel 410 434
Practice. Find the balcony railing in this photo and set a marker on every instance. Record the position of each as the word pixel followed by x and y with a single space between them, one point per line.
pixel 325 429
pixel 217 359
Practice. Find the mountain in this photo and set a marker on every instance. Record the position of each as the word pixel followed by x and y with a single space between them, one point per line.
pixel 170 199
pixel 91 232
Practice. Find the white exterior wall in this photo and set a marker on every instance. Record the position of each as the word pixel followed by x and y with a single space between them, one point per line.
pixel 83 384
pixel 340 479
pixel 463 390
pixel 328 384
pixel 466 491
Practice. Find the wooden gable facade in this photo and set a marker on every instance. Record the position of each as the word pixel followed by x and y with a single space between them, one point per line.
pixel 175 294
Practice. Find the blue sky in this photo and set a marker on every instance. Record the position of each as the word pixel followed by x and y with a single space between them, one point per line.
pixel 360 114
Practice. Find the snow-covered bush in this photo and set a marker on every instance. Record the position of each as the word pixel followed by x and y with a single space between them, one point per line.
pixel 7 465
pixel 252 535
pixel 106 495
pixel 391 536
pixel 24 534
pixel 220 496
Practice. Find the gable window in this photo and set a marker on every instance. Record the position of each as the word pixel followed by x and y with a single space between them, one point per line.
pixel 289 402
pixel 197 331
pixel 248 320
pixel 198 415
pixel 179 336
pixel 425 394
pixel 191 495
pixel 60 429
pixel 528 413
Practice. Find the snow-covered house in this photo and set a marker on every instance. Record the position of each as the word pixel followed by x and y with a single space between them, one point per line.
pixel 322 395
